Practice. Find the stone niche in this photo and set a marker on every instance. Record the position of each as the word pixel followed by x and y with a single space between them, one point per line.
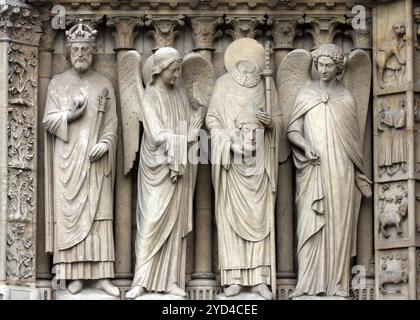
pixel 384 254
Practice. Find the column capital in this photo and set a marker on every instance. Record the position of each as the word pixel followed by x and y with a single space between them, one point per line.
pixel 164 33
pixel 324 28
pixel 20 23
pixel 283 31
pixel 125 27
pixel 244 27
pixel 362 38
pixel 204 32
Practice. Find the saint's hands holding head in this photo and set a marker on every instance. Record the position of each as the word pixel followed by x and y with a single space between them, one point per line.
pixel 244 190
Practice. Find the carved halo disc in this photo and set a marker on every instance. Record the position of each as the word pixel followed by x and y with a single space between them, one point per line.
pixel 244 49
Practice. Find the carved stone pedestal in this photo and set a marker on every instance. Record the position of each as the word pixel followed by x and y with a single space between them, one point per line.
pixel 19 293
pixel 203 289
pixel 85 294
pixel 322 298
pixel 159 296
pixel 285 288
pixel 241 296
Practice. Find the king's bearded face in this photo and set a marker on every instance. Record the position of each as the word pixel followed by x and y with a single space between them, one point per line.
pixel 81 56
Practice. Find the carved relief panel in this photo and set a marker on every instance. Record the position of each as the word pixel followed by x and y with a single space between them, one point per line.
pixel 390 47
pixel 393 211
pixel 391 131
pixel 393 274
pixel 22 130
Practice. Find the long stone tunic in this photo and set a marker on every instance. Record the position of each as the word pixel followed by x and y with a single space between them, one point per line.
pixel 326 193
pixel 166 183
pixel 244 198
pixel 82 190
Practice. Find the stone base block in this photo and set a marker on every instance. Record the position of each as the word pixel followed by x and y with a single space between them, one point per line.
pixel 19 293
pixel 85 294
pixel 159 296
pixel 241 296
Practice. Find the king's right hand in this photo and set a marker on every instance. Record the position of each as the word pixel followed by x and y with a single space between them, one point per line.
pixel 79 107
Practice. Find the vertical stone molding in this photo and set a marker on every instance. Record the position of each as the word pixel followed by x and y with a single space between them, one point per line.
pixel 125 31
pixel 22 24
pixel 396 151
pixel 203 284
pixel 283 31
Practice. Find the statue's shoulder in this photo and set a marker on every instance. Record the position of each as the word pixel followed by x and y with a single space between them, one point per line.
pixel 310 88
pixel 101 79
pixel 61 77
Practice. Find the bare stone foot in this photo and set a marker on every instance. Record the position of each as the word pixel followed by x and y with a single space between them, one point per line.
pixel 264 291
pixel 177 291
pixel 75 286
pixel 135 292
pixel 108 287
pixel 232 290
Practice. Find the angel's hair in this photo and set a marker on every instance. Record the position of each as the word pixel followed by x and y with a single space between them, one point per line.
pixel 331 51
pixel 162 59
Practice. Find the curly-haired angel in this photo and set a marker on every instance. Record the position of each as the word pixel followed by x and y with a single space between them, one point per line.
pixel 325 128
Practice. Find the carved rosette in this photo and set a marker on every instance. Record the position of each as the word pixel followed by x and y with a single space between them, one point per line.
pixel 125 30
pixel 324 28
pixel 244 27
pixel 164 33
pixel 24 30
pixel 204 32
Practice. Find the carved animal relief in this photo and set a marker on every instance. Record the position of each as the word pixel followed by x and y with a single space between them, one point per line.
pixel 393 209
pixel 394 272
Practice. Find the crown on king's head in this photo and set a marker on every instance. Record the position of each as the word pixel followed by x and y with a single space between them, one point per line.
pixel 81 33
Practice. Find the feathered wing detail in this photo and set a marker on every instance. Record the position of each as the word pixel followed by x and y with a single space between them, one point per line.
pixel 293 73
pixel 131 90
pixel 198 78
pixel 357 77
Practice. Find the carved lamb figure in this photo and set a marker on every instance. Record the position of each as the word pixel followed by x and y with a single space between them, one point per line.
pixel 392 217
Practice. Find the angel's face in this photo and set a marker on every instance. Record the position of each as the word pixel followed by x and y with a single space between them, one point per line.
pixel 171 73
pixel 327 69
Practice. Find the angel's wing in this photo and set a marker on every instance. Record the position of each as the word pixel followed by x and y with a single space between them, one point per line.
pixel 198 78
pixel 357 78
pixel 293 73
pixel 131 91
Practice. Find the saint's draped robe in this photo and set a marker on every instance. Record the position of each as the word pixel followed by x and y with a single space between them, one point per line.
pixel 166 182
pixel 244 194
pixel 82 203
pixel 326 193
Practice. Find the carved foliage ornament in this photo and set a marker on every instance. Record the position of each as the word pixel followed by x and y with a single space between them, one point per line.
pixel 244 27
pixel 22 75
pixel 21 23
pixel 164 33
pixel 19 253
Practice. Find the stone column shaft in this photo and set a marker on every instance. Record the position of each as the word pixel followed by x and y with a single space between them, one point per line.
pixel 4 71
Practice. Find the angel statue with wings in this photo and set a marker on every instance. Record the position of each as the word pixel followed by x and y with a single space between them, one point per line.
pixel 326 128
pixel 171 121
pixel 245 190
